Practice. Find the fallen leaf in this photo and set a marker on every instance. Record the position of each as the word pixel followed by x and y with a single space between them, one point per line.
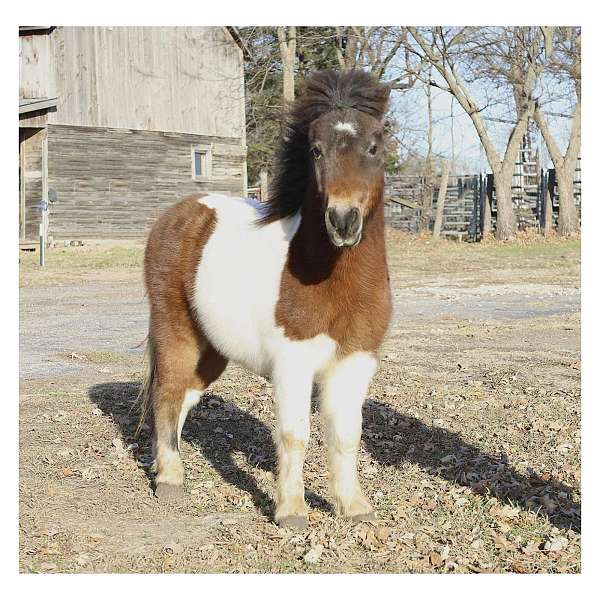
pixel 556 544
pixel 501 542
pixel 505 512
pixel 382 534
pixel 82 559
pixel 531 548
pixel 415 500
pixel 173 548
pixel 548 503
pixel 435 559
pixel 313 555
pixel 430 504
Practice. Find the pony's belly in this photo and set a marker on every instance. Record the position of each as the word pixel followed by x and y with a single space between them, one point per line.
pixel 237 283
pixel 235 333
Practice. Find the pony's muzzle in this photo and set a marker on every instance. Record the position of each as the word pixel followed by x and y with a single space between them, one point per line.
pixel 344 225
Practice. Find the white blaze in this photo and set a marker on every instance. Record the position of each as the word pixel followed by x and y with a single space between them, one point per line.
pixel 345 127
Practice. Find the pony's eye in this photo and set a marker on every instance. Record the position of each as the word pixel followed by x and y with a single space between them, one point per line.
pixel 372 149
pixel 316 152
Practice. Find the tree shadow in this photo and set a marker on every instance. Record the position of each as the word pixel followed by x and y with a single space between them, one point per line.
pixel 393 438
pixel 207 429
pixel 390 436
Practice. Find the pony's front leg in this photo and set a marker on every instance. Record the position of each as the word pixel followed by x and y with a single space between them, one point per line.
pixel 344 388
pixel 292 398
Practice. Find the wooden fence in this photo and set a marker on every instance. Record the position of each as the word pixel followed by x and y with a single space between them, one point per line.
pixel 405 197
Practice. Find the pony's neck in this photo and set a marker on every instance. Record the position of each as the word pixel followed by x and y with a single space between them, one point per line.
pixel 313 258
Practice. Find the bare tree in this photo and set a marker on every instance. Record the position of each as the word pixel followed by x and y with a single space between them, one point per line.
pixel 381 50
pixel 428 170
pixel 563 52
pixel 508 53
pixel 287 48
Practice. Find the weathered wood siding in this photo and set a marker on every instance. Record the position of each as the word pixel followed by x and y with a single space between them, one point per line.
pixel 179 79
pixel 37 66
pixel 112 183
pixel 30 150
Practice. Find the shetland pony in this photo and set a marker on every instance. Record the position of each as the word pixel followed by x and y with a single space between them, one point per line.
pixel 295 289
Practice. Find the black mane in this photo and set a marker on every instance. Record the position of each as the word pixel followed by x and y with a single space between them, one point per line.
pixel 322 92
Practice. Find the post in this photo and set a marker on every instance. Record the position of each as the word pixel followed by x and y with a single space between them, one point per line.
pixel 45 186
pixel 487 206
pixel 439 211
pixel 474 186
pixel 42 247
pixel 548 208
pixel 264 184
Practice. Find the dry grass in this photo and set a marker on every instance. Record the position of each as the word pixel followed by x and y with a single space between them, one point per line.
pixel 470 449
pixel 72 264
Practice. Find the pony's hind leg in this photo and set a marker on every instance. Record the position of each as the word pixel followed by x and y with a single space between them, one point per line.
pixel 344 388
pixel 182 375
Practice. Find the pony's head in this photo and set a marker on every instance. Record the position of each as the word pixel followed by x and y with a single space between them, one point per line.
pixel 347 156
pixel 331 159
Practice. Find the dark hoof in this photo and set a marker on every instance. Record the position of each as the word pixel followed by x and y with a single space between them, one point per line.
pixel 168 492
pixel 364 518
pixel 293 522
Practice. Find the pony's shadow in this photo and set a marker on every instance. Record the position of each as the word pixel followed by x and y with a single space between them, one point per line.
pixel 390 436
pixel 216 427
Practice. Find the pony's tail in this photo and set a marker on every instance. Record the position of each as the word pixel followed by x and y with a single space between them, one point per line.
pixel 143 402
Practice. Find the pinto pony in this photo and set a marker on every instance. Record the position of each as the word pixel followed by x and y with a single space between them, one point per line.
pixel 295 289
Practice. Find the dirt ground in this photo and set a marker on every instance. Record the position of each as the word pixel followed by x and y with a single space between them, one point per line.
pixel 471 440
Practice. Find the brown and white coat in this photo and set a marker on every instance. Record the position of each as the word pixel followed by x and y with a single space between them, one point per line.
pixel 283 299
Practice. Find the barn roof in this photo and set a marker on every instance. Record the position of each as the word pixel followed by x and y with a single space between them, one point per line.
pixel 237 38
pixel 27 105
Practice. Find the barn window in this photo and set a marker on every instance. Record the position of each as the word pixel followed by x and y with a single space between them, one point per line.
pixel 201 162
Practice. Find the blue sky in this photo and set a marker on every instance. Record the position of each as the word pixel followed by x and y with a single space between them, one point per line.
pixel 411 109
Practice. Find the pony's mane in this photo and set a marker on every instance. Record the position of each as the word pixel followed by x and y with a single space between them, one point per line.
pixel 322 92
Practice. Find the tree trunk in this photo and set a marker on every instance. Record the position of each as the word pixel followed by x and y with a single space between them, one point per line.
pixel 439 211
pixel 564 166
pixel 568 219
pixel 428 171
pixel 264 185
pixel 506 223
pixel 287 47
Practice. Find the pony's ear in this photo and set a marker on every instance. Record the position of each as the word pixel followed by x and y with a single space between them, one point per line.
pixel 385 90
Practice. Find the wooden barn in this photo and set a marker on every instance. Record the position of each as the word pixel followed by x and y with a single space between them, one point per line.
pixel 115 123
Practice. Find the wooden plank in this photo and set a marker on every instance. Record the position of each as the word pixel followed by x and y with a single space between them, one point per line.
pixel 179 79
pixel 115 182
pixel 402 202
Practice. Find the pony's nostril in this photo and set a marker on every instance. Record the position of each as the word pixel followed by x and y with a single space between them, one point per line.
pixel 353 217
pixel 333 218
